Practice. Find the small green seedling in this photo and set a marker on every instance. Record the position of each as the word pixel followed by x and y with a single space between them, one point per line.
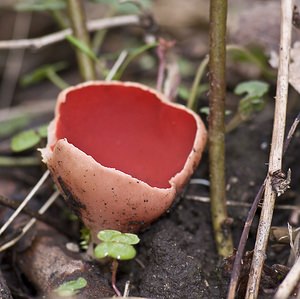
pixel 117 246
pixel 85 238
pixel 253 100
pixel 71 287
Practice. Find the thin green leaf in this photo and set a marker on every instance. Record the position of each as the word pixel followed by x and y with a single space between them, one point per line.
pixel 42 73
pixel 40 5
pixel 184 93
pixel 133 54
pixel 81 46
pixel 71 287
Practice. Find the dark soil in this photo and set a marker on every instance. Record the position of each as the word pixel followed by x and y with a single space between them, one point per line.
pixel 177 256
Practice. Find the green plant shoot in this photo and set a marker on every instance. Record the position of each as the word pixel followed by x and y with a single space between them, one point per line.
pixel 253 101
pixel 118 246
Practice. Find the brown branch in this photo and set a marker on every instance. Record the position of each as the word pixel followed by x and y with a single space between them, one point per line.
pixel 47 267
pixel 12 204
pixel 275 160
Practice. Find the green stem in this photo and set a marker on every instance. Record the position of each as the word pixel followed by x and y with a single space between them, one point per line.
pixel 251 57
pixel 192 103
pixel 217 66
pixel 57 80
pixel 131 57
pixel 19 161
pixel 78 24
pixel 114 269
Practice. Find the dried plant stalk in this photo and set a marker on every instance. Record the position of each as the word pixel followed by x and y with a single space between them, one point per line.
pixel 275 160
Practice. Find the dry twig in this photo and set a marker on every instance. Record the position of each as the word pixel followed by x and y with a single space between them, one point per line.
pixel 275 160
pixel 242 243
pixel 93 25
pixel 25 201
pixel 290 282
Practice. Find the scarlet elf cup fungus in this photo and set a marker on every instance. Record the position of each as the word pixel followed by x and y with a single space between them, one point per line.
pixel 120 152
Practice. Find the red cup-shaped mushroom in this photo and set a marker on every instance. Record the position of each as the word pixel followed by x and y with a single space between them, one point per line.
pixel 120 152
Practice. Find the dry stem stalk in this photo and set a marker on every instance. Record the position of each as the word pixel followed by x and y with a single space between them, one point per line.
pixel 78 23
pixel 217 64
pixel 275 160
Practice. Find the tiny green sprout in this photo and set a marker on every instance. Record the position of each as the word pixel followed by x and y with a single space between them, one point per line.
pixel 28 139
pixel 117 246
pixel 71 287
pixel 253 101
pixel 85 238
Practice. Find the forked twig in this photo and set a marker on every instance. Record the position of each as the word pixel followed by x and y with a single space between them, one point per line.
pixel 275 160
pixel 29 224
